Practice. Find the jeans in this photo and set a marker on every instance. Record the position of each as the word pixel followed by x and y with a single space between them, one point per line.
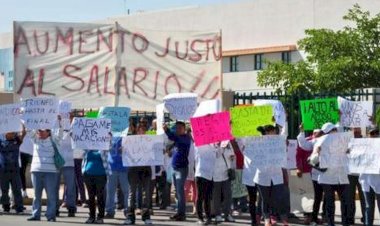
pixel 13 179
pixel 70 190
pixel 318 197
pixel 81 193
pixel 252 193
pixel 221 190
pixel 179 179
pixel 329 191
pixel 351 193
pixel 112 182
pixel 95 188
pixel 273 198
pixel 204 188
pixel 139 176
pixel 370 206
pixel 47 181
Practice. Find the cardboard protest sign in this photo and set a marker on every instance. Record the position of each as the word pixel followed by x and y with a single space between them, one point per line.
pixel 40 113
pixel 364 156
pixel 208 107
pixel 291 154
pixel 10 120
pixel 181 106
pixel 143 150
pixel 91 134
pixel 266 151
pixel 334 148
pixel 160 116
pixel 107 64
pixel 64 112
pixel 92 114
pixel 211 128
pixel 317 112
pixel 355 113
pixel 278 110
pixel 245 120
pixel 119 117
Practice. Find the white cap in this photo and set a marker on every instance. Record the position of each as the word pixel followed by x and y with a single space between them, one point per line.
pixel 327 127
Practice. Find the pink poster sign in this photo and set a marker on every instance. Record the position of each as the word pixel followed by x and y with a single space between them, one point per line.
pixel 211 128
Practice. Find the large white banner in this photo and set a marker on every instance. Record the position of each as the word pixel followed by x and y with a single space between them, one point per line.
pixel 40 113
pixel 10 120
pixel 364 156
pixel 109 64
pixel 91 134
pixel 355 113
pixel 266 151
pixel 334 149
pixel 143 150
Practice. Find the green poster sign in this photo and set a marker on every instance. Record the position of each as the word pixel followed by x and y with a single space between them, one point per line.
pixel 378 116
pixel 317 112
pixel 92 114
pixel 246 119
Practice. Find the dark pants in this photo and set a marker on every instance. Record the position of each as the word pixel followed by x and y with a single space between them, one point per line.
pixel 318 197
pixel 96 188
pixel 252 193
pixel 25 161
pixel 329 191
pixel 139 176
pixel 179 179
pixel 204 188
pixel 351 194
pixel 160 190
pixel 81 193
pixel 152 186
pixel 370 206
pixel 274 200
pixel 221 198
pixel 12 179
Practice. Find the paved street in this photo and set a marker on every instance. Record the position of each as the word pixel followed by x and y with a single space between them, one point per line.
pixel 160 218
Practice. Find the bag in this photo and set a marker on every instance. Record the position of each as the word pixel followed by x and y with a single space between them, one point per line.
pixel 230 172
pixel 59 161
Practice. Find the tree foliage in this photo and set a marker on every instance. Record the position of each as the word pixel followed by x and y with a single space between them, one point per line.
pixel 339 61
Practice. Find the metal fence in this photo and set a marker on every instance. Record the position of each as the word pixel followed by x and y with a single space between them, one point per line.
pixel 291 102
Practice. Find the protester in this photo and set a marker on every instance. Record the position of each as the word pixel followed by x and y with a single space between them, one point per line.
pixel 370 183
pixel 119 176
pixel 304 150
pixel 205 157
pixel 271 187
pixel 81 199
pixel 333 179
pixel 190 185
pixel 26 151
pixel 222 183
pixel 10 172
pixel 68 173
pixel 354 186
pixel 95 170
pixel 180 163
pixel 139 176
pixel 44 171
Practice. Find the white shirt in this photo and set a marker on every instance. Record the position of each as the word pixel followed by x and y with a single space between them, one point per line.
pixel 222 164
pixel 191 159
pixel 205 157
pixel 333 175
pixel 370 181
pixel 67 151
pixel 265 177
pixel 27 145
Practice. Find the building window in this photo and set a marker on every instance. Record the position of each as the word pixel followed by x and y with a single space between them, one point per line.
pixel 233 64
pixel 286 57
pixel 258 61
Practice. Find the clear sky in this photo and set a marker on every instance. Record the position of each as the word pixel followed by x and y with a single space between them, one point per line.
pixel 82 10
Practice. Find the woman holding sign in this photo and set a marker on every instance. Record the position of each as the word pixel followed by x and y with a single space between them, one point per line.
pixel 139 176
pixel 44 171
pixel 333 179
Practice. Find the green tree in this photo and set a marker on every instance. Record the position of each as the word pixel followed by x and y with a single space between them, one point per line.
pixel 339 61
